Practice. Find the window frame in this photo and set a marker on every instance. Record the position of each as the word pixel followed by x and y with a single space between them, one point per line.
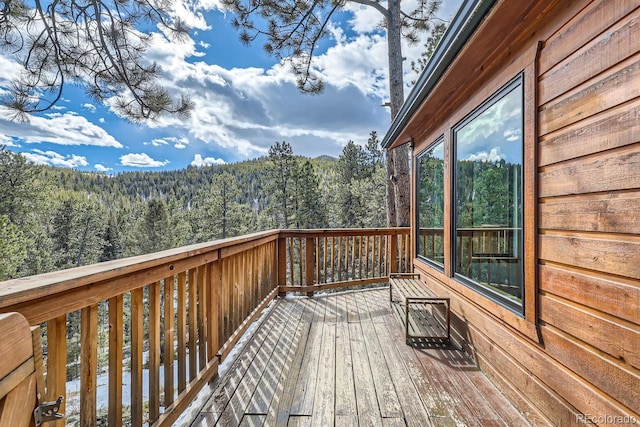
pixel 431 262
pixel 444 282
pixel 516 307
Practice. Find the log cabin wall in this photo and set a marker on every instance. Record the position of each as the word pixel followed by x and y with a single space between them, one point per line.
pixel 574 356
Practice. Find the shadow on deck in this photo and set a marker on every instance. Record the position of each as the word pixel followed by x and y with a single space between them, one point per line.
pixel 341 359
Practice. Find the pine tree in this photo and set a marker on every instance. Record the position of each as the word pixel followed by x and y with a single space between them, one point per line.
pixel 18 185
pixel 78 229
pixel 281 172
pixel 153 232
pixel 311 212
pixel 11 247
pixel 217 214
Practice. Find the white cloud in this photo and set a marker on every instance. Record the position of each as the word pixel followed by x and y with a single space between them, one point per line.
pixel 57 128
pixel 198 161
pixel 156 142
pixel 240 112
pixel 365 19
pixel 90 107
pixel 101 168
pixel 179 143
pixel 55 159
pixel 512 135
pixel 492 157
pixel 7 141
pixel 141 160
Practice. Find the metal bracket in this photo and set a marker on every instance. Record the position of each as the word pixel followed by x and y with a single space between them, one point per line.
pixel 48 411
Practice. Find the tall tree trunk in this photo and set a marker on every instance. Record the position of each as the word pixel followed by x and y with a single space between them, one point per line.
pixel 398 185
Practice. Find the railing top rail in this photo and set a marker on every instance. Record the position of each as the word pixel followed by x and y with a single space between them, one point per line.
pixel 114 277
pixel 344 232
pixel 22 290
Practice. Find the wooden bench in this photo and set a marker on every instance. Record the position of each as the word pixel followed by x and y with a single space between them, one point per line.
pixel 412 291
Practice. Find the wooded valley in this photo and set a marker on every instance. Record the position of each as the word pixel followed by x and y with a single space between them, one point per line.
pixel 54 218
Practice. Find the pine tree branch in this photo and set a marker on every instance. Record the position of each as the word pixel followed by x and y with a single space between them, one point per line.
pixel 374 4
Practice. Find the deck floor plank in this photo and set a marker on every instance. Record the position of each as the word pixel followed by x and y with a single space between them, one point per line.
pixel 414 410
pixel 304 393
pixel 366 399
pixel 280 409
pixel 325 395
pixel 276 364
pixel 388 400
pixel 228 384
pixel 346 407
pixel 341 359
pixel 242 398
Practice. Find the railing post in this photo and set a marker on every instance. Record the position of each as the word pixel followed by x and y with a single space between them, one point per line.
pixel 88 364
pixel 393 259
pixel 308 263
pixel 282 263
pixel 57 362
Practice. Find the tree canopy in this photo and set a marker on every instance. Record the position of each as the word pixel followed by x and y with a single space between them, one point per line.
pixel 96 45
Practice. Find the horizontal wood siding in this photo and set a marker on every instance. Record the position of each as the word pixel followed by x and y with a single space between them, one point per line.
pixel 585 358
pixel 589 204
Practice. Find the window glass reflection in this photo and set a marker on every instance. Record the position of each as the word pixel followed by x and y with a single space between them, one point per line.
pixel 488 194
pixel 431 204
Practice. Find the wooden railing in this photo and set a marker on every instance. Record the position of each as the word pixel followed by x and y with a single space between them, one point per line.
pixel 185 309
pixel 319 260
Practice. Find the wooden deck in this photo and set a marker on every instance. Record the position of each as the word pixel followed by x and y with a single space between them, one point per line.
pixel 342 360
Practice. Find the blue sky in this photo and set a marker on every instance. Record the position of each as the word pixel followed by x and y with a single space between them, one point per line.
pixel 244 101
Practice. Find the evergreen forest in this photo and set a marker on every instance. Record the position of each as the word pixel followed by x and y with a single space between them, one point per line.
pixel 55 218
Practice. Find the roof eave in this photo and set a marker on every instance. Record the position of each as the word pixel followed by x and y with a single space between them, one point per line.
pixel 464 24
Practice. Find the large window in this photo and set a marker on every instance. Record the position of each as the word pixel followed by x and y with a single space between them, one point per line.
pixel 488 150
pixel 430 196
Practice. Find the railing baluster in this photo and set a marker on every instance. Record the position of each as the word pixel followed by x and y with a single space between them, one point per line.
pixel 301 260
pixel 137 344
pixel 333 259
pixel 339 258
pixel 282 262
pixel 316 242
pixel 251 280
pixel 182 332
pixel 116 328
pixel 88 364
pixel 201 323
pixel 154 351
pixel 291 264
pixel 193 334
pixel 360 252
pixel 235 294
pixel 169 335
pixel 308 247
pixel 214 302
pixel 366 251
pixel 353 257
pixel 229 298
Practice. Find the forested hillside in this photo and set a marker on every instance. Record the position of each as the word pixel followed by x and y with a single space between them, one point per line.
pixel 54 218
